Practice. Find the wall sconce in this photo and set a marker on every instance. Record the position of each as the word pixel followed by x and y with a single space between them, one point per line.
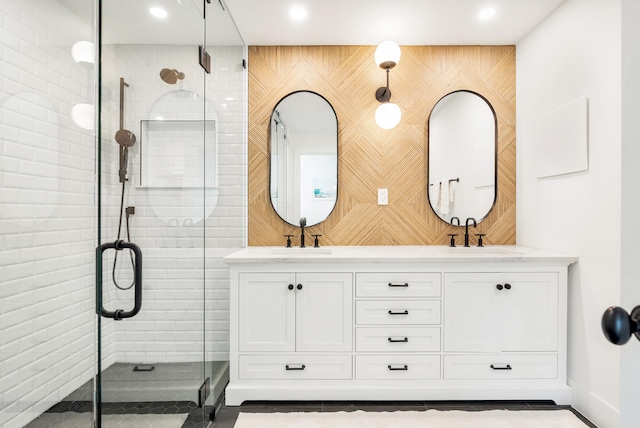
pixel 388 114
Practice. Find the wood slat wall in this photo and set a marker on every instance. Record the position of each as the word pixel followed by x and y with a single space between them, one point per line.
pixel 369 157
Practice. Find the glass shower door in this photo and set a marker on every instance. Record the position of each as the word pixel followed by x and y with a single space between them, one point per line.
pixel 154 176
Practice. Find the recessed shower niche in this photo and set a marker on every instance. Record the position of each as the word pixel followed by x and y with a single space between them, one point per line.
pixel 171 151
pixel 179 157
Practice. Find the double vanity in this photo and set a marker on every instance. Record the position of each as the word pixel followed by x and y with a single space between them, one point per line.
pixel 398 323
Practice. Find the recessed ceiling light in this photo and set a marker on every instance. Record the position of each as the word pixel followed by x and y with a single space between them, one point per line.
pixel 487 13
pixel 158 12
pixel 298 13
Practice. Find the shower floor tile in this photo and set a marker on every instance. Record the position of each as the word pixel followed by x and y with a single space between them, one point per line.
pixel 170 390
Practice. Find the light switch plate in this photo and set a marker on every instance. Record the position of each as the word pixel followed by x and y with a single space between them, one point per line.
pixel 383 197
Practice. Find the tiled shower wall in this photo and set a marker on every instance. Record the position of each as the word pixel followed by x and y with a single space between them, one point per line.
pixel 180 249
pixel 47 210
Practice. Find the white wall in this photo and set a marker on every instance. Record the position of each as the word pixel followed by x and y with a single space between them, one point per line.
pixel 47 214
pixel 574 53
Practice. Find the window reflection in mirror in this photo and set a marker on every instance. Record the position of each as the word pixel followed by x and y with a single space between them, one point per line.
pixel 462 157
pixel 303 158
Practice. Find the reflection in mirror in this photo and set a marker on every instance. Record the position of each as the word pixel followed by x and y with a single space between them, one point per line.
pixel 462 157
pixel 304 158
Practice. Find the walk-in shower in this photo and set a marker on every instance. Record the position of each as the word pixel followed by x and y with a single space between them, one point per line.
pixel 114 219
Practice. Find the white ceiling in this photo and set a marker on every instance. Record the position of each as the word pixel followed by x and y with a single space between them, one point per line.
pixel 369 22
pixel 329 22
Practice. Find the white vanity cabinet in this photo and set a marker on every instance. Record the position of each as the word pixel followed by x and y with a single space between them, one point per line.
pixel 398 323
pixel 294 311
pixel 498 312
pixel 290 322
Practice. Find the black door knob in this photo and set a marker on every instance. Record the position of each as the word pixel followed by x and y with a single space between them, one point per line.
pixel 618 325
pixel 499 287
pixel 299 287
pixel 507 286
pixel 290 286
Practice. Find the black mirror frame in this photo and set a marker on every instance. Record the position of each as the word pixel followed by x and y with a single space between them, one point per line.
pixel 495 154
pixel 337 155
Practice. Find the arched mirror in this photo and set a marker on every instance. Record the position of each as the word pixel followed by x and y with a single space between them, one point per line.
pixel 303 158
pixel 462 157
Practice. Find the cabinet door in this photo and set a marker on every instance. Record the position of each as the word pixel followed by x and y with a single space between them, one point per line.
pixel 481 316
pixel 470 306
pixel 266 312
pixel 529 315
pixel 324 308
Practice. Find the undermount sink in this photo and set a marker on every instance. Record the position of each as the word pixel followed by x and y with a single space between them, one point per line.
pixel 311 251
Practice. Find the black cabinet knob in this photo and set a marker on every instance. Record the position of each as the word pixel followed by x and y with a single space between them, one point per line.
pixel 507 286
pixel 290 286
pixel 299 287
pixel 618 325
pixel 499 287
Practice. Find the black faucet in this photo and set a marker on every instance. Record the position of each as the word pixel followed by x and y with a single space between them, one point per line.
pixel 451 221
pixel 466 230
pixel 303 223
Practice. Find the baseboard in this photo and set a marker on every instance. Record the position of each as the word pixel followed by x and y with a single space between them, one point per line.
pixel 259 390
pixel 593 407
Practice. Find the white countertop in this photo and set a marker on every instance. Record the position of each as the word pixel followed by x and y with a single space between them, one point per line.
pixel 397 254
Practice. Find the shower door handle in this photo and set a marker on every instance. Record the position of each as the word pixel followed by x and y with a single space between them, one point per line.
pixel 119 314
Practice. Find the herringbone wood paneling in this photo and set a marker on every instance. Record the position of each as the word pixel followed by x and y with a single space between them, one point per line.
pixel 369 157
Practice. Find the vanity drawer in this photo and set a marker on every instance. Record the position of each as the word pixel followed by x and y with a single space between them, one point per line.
pixel 501 366
pixel 398 312
pixel 306 367
pixel 395 367
pixel 397 339
pixel 398 284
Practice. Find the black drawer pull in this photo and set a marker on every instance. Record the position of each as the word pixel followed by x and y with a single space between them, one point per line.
pixel 290 286
pixel 499 287
pixel 404 368
pixel 406 284
pixel 405 340
pixel 508 367
pixel 507 286
pixel 405 312
pixel 294 368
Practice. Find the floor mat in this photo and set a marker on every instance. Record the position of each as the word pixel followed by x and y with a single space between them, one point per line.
pixel 430 418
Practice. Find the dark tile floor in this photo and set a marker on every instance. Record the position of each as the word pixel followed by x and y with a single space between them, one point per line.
pixel 197 417
pixel 226 416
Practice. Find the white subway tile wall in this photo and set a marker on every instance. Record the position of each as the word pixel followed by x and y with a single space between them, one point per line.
pixel 176 227
pixel 48 210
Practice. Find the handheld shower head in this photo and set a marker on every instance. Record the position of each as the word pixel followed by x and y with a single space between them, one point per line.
pixel 124 160
pixel 125 138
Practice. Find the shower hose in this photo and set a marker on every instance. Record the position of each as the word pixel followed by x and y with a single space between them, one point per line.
pixel 115 260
